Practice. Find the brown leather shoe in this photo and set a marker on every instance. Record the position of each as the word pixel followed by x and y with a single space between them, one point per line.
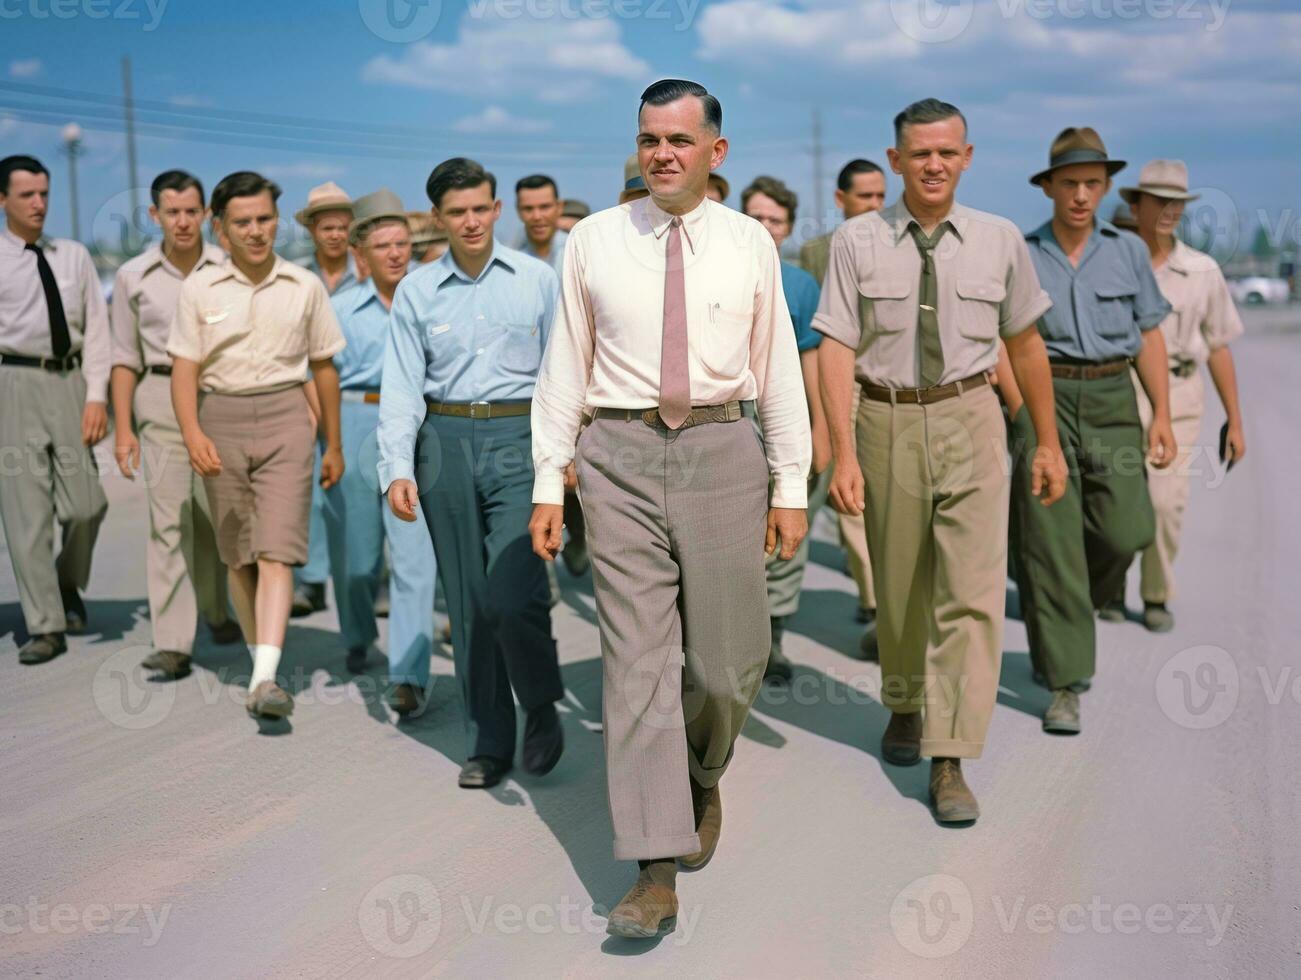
pixel 953 800
pixel 1063 715
pixel 406 699
pixel 901 744
pixel 708 806
pixel 169 663
pixel 647 911
pixel 41 648
pixel 269 700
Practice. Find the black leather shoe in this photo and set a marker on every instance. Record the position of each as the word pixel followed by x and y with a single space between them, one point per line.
pixel 544 740
pixel 74 611
pixel 901 743
pixel 356 662
pixel 224 634
pixel 309 597
pixel 779 667
pixel 43 647
pixel 482 772
pixel 867 645
pixel 865 615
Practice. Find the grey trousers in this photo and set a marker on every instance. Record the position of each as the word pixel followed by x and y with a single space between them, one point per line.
pixel 46 472
pixel 675 528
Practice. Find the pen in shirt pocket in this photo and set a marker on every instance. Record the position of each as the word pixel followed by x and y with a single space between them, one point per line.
pixel 713 312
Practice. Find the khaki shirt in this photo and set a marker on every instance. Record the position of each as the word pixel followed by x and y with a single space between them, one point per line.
pixel 987 289
pixel 815 254
pixel 144 304
pixel 251 339
pixel 1203 318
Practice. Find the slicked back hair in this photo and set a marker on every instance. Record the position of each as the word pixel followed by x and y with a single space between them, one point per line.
pixel 534 182
pixel 671 89
pixel 923 112
pixel 173 180
pixel 457 174
pixel 25 163
pixel 242 183
pixel 845 181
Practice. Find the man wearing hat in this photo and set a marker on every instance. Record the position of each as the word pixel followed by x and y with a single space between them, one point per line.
pixel 356 519
pixel 572 211
pixel 634 185
pixel 428 241
pixel 1197 331
pixel 1123 218
pixel 917 298
pixel 326 217
pixel 464 347
pixel 1105 313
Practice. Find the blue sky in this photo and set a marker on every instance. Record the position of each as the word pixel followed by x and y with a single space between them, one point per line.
pixel 552 85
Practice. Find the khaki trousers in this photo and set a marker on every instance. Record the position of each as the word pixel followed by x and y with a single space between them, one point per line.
pixel 937 497
pixel 853 538
pixel 185 575
pixel 46 472
pixel 1169 487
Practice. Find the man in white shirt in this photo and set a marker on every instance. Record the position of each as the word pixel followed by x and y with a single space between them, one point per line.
pixel 673 336
pixel 54 366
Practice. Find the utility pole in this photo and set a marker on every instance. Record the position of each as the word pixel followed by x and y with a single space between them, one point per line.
pixel 133 181
pixel 72 147
pixel 817 172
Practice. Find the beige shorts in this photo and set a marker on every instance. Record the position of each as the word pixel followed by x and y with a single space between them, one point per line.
pixel 262 497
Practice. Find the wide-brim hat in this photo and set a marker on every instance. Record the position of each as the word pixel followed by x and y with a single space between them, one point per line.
pixel 383 203
pixel 424 230
pixel 1161 178
pixel 632 178
pixel 1078 145
pixel 1123 217
pixel 327 197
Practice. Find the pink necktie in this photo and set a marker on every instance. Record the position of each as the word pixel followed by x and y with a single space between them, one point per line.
pixel 675 382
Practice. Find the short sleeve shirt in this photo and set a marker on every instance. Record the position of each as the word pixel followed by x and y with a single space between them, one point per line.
pixel 145 292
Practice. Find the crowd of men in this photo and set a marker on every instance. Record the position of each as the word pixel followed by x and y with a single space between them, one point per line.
pixel 650 393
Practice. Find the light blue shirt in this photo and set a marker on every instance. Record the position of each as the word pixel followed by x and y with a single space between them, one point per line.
pixel 348 280
pixel 459 340
pixel 364 321
pixel 1101 307
pixel 555 256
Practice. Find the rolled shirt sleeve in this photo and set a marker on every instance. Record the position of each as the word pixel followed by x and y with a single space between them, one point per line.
pixel 1026 299
pixel 324 336
pixel 1222 322
pixel 561 392
pixel 837 315
pixel 125 342
pixel 402 399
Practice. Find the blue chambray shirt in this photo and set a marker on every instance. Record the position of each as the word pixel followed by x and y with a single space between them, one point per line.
pixel 1101 308
pixel 802 294
pixel 348 280
pixel 555 257
pixel 364 321
pixel 456 339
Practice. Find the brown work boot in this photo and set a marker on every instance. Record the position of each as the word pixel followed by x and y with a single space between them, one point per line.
pixel 708 807
pixel 269 700
pixel 42 647
pixel 953 800
pixel 648 910
pixel 901 744
pixel 406 699
pixel 1063 715
pixel 169 663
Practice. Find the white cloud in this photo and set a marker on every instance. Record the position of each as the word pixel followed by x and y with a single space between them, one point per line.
pixel 25 68
pixel 552 60
pixel 495 119
pixel 308 169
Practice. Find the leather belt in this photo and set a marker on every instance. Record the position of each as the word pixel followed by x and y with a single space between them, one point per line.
pixel 164 369
pixel 924 396
pixel 479 410
pixel 700 415
pixel 1183 369
pixel 1079 371
pixel 44 363
pixel 360 395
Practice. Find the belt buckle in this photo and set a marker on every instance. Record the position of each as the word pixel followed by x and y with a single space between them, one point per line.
pixel 652 418
pixel 480 410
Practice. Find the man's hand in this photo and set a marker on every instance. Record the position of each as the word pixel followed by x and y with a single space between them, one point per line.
pixel 846 491
pixel 789 525
pixel 126 450
pixel 331 467
pixel 571 478
pixel 403 499
pixel 94 423
pixel 1235 444
pixel 1048 474
pixel 203 454
pixel 545 525
pixel 1161 448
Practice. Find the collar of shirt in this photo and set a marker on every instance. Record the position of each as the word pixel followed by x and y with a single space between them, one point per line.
pixel 232 271
pixel 447 267
pixel 1102 231
pixel 899 218
pixel 1178 259
pixel 693 222
pixel 557 245
pixel 45 243
pixel 209 254
pixel 366 293
pixel 349 270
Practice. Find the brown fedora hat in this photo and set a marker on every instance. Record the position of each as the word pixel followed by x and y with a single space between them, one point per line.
pixel 1161 178
pixel 1077 145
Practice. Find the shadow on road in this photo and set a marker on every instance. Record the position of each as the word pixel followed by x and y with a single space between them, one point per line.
pixel 107 619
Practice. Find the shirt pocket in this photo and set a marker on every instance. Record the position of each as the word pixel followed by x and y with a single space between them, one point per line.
pixel 1115 307
pixel 725 348
pixel 883 305
pixel 979 306
pixel 521 347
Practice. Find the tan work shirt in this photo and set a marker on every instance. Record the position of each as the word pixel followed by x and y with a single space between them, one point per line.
pixel 987 288
pixel 145 293
pixel 1203 318
pixel 251 339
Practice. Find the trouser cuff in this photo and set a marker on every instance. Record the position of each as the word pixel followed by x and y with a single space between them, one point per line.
pixel 650 848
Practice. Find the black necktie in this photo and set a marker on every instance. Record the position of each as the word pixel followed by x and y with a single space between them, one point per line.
pixel 60 342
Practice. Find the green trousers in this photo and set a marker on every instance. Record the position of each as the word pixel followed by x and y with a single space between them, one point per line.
pixel 1072 556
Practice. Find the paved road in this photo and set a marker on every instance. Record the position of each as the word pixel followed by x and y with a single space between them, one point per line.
pixel 153 831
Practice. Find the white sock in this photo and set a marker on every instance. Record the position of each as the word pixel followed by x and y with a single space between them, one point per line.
pixel 266 659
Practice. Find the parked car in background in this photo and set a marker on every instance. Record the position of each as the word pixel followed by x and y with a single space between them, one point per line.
pixel 1259 289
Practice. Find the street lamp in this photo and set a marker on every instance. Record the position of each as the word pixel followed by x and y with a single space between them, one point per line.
pixel 72 147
